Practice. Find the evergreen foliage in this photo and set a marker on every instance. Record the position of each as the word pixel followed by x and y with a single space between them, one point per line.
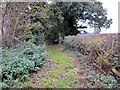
pixel 17 64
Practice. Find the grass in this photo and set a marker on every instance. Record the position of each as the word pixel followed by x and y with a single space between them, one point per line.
pixel 57 56
pixel 63 76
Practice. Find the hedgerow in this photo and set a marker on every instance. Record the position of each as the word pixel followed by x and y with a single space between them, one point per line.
pixel 95 79
pixel 102 51
pixel 18 63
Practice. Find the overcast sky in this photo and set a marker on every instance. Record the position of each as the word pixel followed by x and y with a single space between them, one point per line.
pixel 112 7
pixel 112 10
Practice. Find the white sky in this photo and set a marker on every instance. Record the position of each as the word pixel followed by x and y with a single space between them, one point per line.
pixel 112 11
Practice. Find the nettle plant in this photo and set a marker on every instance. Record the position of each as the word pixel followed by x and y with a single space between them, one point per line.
pixel 18 63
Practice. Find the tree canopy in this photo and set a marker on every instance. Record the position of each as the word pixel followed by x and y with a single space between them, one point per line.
pixel 37 20
pixel 71 12
pixel 93 12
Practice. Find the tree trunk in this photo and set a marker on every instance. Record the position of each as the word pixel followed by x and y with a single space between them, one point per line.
pixel 3 17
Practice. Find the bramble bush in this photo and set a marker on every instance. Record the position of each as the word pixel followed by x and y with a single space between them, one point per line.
pixel 101 49
pixel 18 63
pixel 102 43
pixel 94 79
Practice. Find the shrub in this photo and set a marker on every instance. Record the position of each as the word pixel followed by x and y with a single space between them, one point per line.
pixel 3 85
pixel 18 63
pixel 95 42
pixel 101 49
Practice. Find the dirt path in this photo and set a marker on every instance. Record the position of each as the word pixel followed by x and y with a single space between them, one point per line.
pixel 67 70
pixel 62 71
pixel 58 73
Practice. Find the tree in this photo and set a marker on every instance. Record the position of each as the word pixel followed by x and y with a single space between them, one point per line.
pixel 36 20
pixel 54 23
pixel 24 21
pixel 12 14
pixel 93 12
pixel 65 15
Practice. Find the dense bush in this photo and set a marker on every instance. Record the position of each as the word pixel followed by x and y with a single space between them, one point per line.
pixel 18 63
pixel 94 79
pixel 101 49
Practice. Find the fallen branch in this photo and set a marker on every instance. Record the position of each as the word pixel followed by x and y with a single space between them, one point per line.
pixel 107 63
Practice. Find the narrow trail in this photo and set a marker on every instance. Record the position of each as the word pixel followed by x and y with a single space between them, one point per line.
pixel 62 71
pixel 59 72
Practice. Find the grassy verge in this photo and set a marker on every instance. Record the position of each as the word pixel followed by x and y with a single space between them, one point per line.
pixel 63 76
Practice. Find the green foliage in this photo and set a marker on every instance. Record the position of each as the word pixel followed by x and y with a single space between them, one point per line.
pixel 18 63
pixel 54 23
pixel 93 12
pixel 83 45
pixel 29 20
pixel 59 57
pixel 106 81
pixel 3 85
pixel 64 16
pixel 104 44
pixel 64 74
pixel 24 23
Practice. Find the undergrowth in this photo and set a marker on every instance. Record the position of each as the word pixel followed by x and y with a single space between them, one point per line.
pixel 18 63
pixel 96 79
pixel 64 74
